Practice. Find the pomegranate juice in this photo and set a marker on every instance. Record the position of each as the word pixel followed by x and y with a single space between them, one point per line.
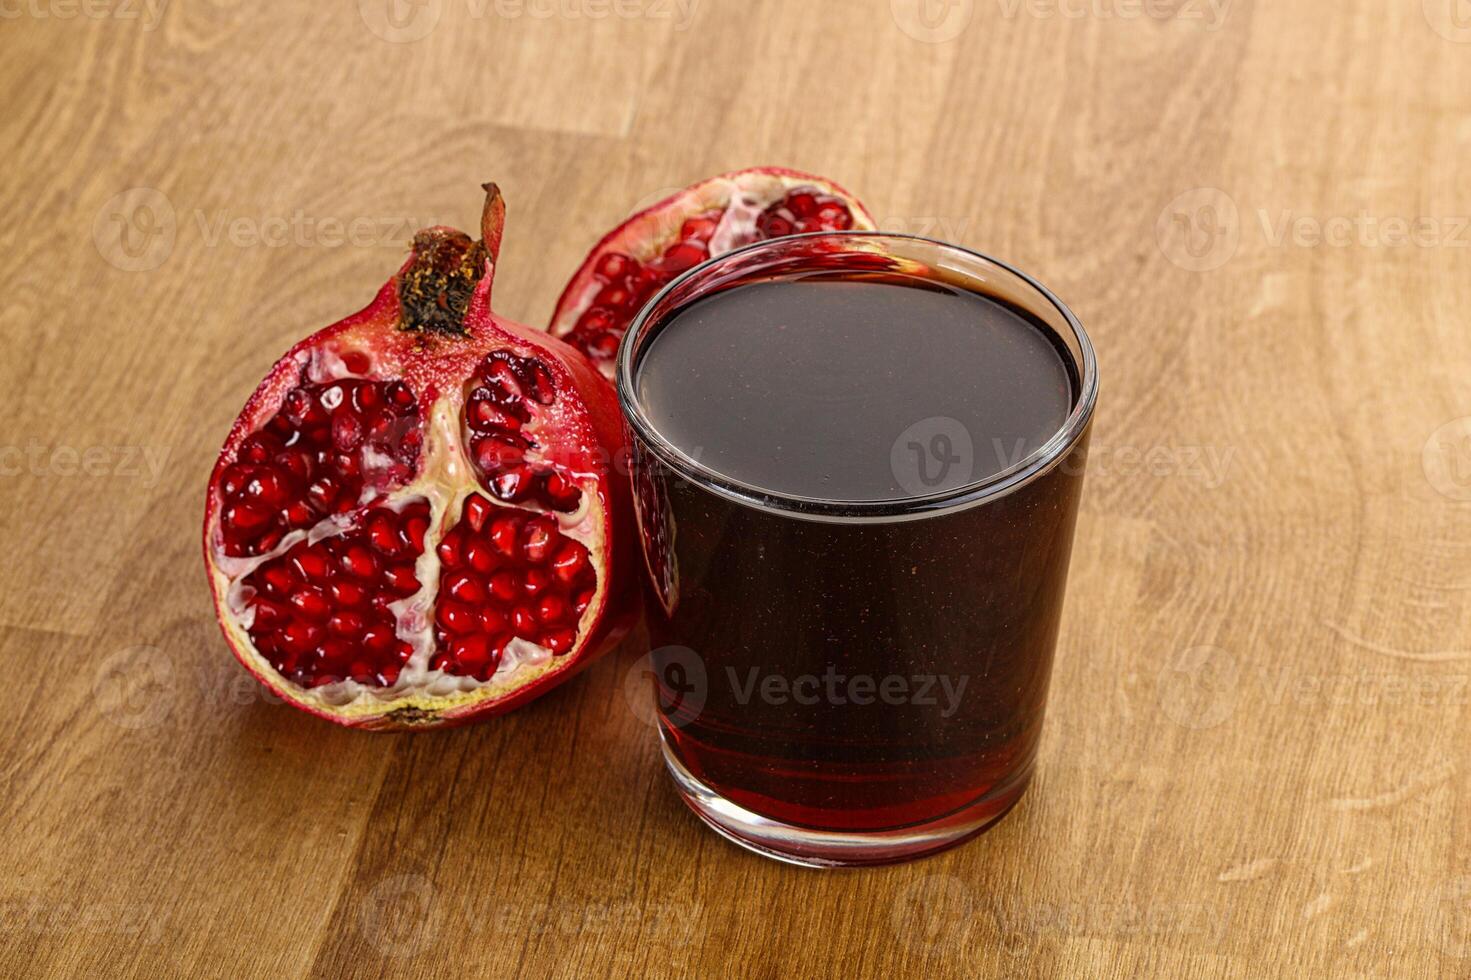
pixel 835 649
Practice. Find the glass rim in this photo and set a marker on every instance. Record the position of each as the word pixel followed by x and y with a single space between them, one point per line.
pixel 972 494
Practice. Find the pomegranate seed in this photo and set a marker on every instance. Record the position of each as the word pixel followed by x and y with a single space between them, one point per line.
pixel 486 416
pixel 491 454
pixel 512 484
pixel 310 563
pixel 584 599
pixel 596 320
pixel 404 652
pixel 523 620
pixel 456 618
pixel 399 393
pixel 615 296
pixel 298 637
pixel 552 609
pixel 449 548
pixel 560 642
pixel 378 639
pixel 300 514
pixel 503 533
pixel 570 562
pixel 537 581
pixel 322 492
pixel 347 430
pixel 277 580
pixel 359 562
pixel 413 532
pixel 268 487
pixel 345 623
pixel 311 602
pixel 383 535
pixel 297 464
pixel 388 676
pixel 477 510
pixel 778 227
pixel 614 266
pixel 334 653
pixel 700 229
pixel 604 345
pixel 479 556
pixel 492 620
pixel 403 580
pixel 357 362
pixel 348 594
pixel 505 585
pixel 234 479
pixel 470 652
pixel 267 614
pixel 259 447
pixel 685 255
pixel 464 588
pixel 537 540
pixel 246 517
pixel 366 397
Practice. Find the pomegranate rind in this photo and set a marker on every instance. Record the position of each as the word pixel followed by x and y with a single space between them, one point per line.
pixel 592 441
pixel 646 234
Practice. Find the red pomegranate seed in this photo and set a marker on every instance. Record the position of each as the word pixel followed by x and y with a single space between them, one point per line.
pixel 479 556
pixel 311 602
pixel 403 580
pixel 456 617
pixel 345 622
pixel 552 609
pixel 359 562
pixel 477 510
pixel 537 581
pixel 492 621
pixel 615 266
pixel 505 585
pixel 464 588
pixel 379 639
pixel 537 538
pixel 560 641
pixel 245 518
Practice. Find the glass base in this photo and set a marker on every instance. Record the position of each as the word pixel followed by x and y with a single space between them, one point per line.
pixel 811 848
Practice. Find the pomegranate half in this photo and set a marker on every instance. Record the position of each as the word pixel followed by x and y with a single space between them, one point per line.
pixel 713 217
pixel 420 517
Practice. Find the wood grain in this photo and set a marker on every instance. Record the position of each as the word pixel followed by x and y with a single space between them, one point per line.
pixel 1256 760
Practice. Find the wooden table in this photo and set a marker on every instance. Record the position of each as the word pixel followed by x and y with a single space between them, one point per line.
pixel 1256 757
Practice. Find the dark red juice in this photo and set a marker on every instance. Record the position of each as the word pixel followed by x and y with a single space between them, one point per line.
pixel 855 674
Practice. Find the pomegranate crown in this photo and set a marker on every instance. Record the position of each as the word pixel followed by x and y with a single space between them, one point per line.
pixel 444 269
